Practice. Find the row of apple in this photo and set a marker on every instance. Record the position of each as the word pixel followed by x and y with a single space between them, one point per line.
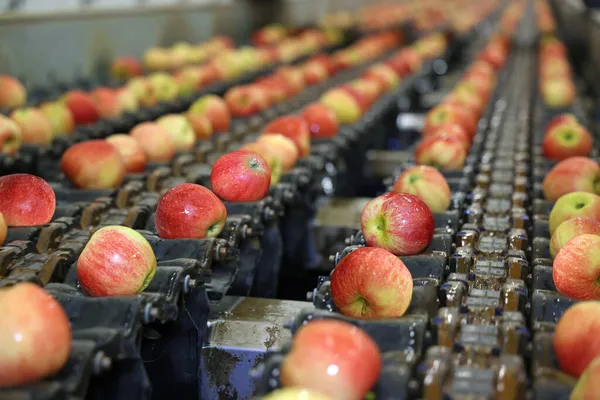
pixel 557 88
pixel 544 18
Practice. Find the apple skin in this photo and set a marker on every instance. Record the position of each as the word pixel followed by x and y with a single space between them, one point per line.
pixel 93 164
pixel 371 283
pixel 321 121
pixel 163 86
pixel 141 89
pixel 428 184
pixel 346 108
pixel 452 130
pixel 576 342
pixel 107 102
pixel 314 72
pixel 443 152
pixel 449 113
pixel 180 130
pixel 126 67
pixel 270 157
pixel 282 147
pixel 155 140
pixel 397 222
pixel 131 152
pixel 573 205
pixel 571 228
pixel 201 125
pixel 293 393
pixel 244 101
pixel 319 345
pixel 116 261
pixel 588 384
pixel 10 136
pixel 12 92
pixel 558 93
pixel 383 74
pixel 562 119
pixel 26 200
pixel 574 174
pixel 295 128
pixel 190 211
pixel 35 126
pixel 60 118
pixel 3 229
pixel 240 176
pixel 566 140
pixel 466 99
pixel 35 335
pixel 82 107
pixel 576 268
pixel 215 109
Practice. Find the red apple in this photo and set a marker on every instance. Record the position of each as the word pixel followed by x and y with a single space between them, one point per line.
pixel 240 176
pixel 347 109
pixel 116 261
pixel 448 113
pixel 156 141
pixel 321 121
pixel 397 222
pixel 314 73
pixel 371 283
pixel 82 106
pixel 467 99
pixel 576 342
pixel 60 118
pixel 131 152
pixel 107 102
pixel 282 147
pixel 573 205
pixel 588 384
pixel 35 335
pixel 294 128
pixel 12 92
pixel 10 136
pixel 93 164
pixel 426 183
pixel 126 67
pixel 574 174
pixel 334 358
pixel 366 91
pixel 201 125
pixel 247 100
pixel 383 74
pixel 215 109
pixel 443 152
pixel 35 126
pixel 571 228
pixel 180 130
pixel 566 139
pixel 452 130
pixel 293 76
pixel 190 211
pixel 26 200
pixel 576 268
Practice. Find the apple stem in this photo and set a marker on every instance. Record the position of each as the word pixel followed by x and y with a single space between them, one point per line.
pixel 365 307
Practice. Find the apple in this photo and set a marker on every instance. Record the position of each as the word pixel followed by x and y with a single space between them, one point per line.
pixel 282 147
pixel 82 107
pixel 190 211
pixel 215 109
pixel 294 393
pixel 443 152
pixel 240 176
pixel 34 125
pixel 164 87
pixel 126 100
pixel 200 124
pixel 334 358
pixel 345 106
pixel 571 228
pixel 141 89
pixel 467 99
pixel 12 92
pixel 131 152
pixel 293 127
pixel 449 113
pixel 371 283
pixel 244 101
pixel 157 59
pixel 588 384
pixel 125 68
pixel 60 118
pixel 10 136
pixel 270 157
pixel 573 205
pixel 116 261
pixel 293 76
pixel 35 339
pixel 426 183
pixel 576 342
pixel 321 121
pixel 189 79
pixel 452 130
pixel 558 93
pixel 383 74
pixel 314 73
pixel 93 164
pixel 397 222
pixel 180 130
pixel 566 139
pixel 157 143
pixel 107 102
pixel 26 200
pixel 574 174
pixel 576 268
pixel 366 91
